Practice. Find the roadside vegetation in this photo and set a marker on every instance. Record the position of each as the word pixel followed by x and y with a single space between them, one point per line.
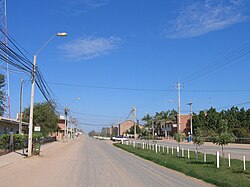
pixel 235 122
pixel 196 167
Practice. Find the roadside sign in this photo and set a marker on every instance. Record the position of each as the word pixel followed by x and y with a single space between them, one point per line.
pixel 37 128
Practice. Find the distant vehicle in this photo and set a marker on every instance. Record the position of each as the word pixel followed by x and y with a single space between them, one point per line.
pixel 119 138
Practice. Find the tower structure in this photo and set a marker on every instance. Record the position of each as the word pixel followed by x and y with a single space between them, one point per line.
pixel 3 38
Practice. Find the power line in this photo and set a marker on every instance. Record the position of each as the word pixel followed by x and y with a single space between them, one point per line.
pixel 94 124
pixel 145 89
pixel 237 104
pixel 97 115
pixel 110 88
pixel 221 62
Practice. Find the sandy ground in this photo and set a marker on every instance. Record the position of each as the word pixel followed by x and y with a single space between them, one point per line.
pixel 87 162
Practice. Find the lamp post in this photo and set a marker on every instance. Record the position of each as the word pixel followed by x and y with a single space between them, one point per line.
pixel 191 120
pixel 33 92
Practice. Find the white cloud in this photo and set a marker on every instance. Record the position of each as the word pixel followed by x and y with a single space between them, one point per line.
pixel 202 17
pixel 89 47
pixel 77 7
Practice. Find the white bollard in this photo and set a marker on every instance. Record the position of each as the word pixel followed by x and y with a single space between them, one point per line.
pixel 156 150
pixel 188 154
pixel 178 150
pixel 142 145
pixel 182 152
pixel 172 150
pixel 205 157
pixel 122 142
pixel 229 160
pixel 244 162
pixel 218 159
pixel 133 144
pixel 167 150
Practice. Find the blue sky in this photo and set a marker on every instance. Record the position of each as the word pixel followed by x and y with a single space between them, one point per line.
pixel 142 44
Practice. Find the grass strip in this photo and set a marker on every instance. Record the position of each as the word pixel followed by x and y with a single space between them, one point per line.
pixel 206 171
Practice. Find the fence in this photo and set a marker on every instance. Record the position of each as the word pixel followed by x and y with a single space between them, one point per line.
pixel 9 143
pixel 184 153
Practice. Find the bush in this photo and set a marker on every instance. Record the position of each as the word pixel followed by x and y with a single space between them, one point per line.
pixel 4 141
pixel 18 141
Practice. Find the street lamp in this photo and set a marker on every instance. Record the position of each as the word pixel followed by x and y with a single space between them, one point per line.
pixel 62 34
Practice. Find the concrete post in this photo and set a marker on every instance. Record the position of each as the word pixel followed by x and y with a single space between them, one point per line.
pixel 218 159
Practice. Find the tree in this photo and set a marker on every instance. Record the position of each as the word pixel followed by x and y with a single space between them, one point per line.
pixel 131 130
pixel 197 140
pixel 44 116
pixel 92 133
pixel 2 94
pixel 148 120
pixel 222 137
pixel 105 131
pixel 149 125
pixel 179 137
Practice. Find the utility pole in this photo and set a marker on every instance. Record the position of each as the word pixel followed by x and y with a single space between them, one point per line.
pixel 135 120
pixel 31 107
pixel 20 111
pixel 4 39
pixel 65 124
pixel 71 128
pixel 153 128
pixel 191 120
pixel 33 93
pixel 179 107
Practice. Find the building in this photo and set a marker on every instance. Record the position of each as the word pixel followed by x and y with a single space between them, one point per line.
pixel 124 127
pixel 185 123
pixel 171 128
pixel 8 125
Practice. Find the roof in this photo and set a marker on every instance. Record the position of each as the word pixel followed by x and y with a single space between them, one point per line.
pixel 12 121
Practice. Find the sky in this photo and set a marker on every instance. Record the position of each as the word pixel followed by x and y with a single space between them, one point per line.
pixel 119 54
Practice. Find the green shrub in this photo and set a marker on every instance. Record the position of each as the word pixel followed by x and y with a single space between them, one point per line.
pixel 18 141
pixel 4 141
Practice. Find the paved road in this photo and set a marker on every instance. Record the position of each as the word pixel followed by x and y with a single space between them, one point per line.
pixel 89 162
pixel 236 150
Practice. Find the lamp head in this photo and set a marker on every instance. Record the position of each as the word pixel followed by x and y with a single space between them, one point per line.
pixel 62 34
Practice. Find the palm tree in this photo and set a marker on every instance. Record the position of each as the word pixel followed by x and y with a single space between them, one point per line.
pixel 149 123
pixel 164 117
pixel 148 120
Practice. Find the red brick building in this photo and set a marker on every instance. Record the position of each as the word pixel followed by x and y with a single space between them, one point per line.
pixel 171 128
pixel 125 126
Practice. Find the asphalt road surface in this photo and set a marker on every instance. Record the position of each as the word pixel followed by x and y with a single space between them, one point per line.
pixel 90 162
